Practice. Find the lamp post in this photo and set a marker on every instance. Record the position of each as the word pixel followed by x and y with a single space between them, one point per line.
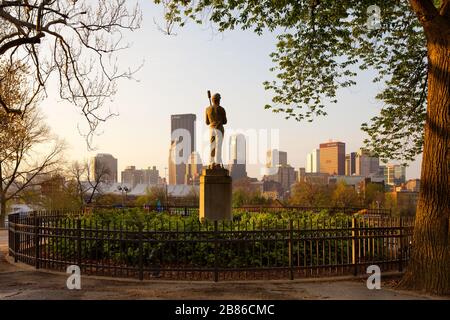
pixel 123 189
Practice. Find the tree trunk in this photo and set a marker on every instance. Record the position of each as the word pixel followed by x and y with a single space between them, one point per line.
pixel 2 212
pixel 429 267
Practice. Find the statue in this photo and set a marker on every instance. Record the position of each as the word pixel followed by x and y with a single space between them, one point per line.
pixel 216 117
pixel 215 181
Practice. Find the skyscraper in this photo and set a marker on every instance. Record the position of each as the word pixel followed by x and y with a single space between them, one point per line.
pixel 237 165
pixel 313 161
pixel 332 158
pixel 103 168
pixel 350 164
pixel 394 174
pixel 278 170
pixel 193 169
pixel 276 157
pixel 182 144
pixel 367 164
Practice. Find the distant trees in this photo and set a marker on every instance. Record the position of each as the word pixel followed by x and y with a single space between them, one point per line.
pixel 374 195
pixel 345 196
pixel 152 195
pixel 22 160
pixel 311 195
pixel 318 195
pixel 242 197
pixel 245 194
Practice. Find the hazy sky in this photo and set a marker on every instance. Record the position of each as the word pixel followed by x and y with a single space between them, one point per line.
pixel 177 72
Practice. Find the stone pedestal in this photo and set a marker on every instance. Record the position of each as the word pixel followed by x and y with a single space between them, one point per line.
pixel 215 195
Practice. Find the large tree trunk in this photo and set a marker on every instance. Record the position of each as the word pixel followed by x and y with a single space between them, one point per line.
pixel 429 267
pixel 2 213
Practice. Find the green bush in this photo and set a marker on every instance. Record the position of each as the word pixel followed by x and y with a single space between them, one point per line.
pixel 119 236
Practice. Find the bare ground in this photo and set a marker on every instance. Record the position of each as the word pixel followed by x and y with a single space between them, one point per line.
pixel 18 281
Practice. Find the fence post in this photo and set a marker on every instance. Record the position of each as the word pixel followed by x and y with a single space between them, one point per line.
pixel 36 242
pixel 400 261
pixel 141 254
pixel 16 239
pixel 216 251
pixel 291 267
pixel 355 250
pixel 79 243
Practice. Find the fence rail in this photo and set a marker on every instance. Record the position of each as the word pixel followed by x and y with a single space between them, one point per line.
pixel 276 249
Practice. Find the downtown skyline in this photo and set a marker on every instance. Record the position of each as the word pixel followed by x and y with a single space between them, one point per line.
pixel 176 73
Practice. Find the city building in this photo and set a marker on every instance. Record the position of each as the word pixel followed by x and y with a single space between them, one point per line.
pixel 332 158
pixel 193 169
pixel 350 164
pixel 359 183
pixel 132 176
pixel 313 161
pixel 151 176
pixel 367 164
pixel 275 158
pixel 394 174
pixel 104 168
pixel 237 165
pixel 182 144
pixel 312 177
pixel 278 170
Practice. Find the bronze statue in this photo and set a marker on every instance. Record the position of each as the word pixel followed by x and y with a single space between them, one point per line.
pixel 216 117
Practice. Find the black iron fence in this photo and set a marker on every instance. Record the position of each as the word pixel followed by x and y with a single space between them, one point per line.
pixel 256 249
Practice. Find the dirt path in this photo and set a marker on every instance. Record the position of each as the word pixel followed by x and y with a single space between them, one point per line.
pixel 18 282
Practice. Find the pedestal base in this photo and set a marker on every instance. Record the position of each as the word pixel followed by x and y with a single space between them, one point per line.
pixel 215 195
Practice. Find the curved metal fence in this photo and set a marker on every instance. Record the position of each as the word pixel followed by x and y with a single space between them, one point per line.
pixel 218 251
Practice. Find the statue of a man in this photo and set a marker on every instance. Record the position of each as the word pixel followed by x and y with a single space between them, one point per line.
pixel 216 117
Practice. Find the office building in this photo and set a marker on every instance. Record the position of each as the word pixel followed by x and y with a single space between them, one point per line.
pixel 350 164
pixel 276 158
pixel 151 176
pixel 103 168
pixel 278 170
pixel 332 158
pixel 193 169
pixel 367 164
pixel 237 165
pixel 313 161
pixel 394 174
pixel 315 178
pixel 182 144
pixel 285 176
pixel 132 176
